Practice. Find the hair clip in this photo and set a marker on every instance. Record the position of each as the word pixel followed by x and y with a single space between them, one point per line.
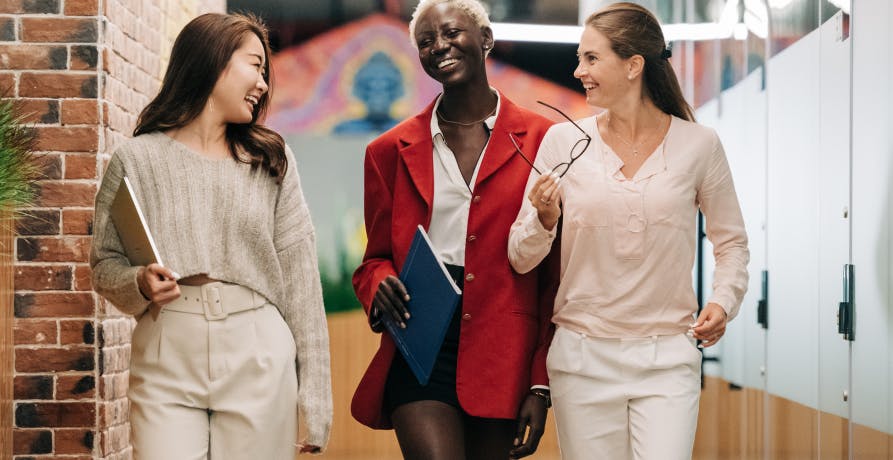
pixel 667 53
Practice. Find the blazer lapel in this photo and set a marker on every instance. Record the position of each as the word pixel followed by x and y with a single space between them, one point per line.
pixel 500 148
pixel 417 152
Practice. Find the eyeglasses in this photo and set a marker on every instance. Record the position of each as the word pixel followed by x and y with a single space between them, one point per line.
pixel 576 151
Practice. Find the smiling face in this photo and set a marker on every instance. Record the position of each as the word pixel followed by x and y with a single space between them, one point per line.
pixel 242 83
pixel 604 74
pixel 452 47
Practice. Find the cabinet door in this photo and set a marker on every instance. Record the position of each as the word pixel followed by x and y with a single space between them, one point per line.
pixel 833 158
pixel 793 239
pixel 739 117
pixel 872 398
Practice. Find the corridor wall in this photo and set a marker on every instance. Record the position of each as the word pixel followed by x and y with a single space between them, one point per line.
pixel 813 203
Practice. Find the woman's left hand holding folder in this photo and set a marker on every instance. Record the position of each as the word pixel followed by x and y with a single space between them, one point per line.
pixel 158 284
pixel 390 300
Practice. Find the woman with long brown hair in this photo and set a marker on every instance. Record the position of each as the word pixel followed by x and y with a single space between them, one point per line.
pixel 231 340
pixel 624 364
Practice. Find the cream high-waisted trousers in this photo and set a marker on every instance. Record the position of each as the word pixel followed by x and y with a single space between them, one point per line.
pixel 630 398
pixel 213 385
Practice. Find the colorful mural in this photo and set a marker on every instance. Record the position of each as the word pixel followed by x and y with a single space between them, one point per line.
pixel 338 91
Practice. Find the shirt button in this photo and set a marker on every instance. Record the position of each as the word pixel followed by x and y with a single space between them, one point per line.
pixel 469 277
pixel 476 199
pixel 466 316
pixel 472 238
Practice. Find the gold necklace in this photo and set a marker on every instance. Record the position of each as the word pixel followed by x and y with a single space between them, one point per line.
pixel 440 117
pixel 634 147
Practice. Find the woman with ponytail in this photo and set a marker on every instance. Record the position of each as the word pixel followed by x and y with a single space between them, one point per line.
pixel 624 363
pixel 230 343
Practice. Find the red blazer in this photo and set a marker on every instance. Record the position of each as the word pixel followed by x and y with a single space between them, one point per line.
pixel 506 317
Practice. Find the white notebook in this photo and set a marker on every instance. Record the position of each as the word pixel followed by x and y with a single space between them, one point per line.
pixel 132 228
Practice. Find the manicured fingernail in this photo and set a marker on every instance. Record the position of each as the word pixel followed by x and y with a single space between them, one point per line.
pixel 406 315
pixel 406 297
pixel 403 325
pixel 701 346
pixel 517 441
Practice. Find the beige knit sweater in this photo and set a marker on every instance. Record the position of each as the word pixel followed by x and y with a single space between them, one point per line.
pixel 219 218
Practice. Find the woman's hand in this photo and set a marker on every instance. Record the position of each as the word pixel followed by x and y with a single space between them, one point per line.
pixel 308 449
pixel 710 326
pixel 532 421
pixel 545 198
pixel 158 284
pixel 390 301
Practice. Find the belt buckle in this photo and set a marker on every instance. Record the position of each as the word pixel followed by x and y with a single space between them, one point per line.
pixel 211 302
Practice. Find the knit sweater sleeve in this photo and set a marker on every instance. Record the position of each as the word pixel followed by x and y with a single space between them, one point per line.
pixel 304 312
pixel 113 276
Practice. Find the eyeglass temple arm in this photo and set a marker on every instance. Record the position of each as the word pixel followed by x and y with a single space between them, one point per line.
pixel 566 118
pixel 518 149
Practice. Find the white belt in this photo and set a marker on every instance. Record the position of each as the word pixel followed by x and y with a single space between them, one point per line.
pixel 216 300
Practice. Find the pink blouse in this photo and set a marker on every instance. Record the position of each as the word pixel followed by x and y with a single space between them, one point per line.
pixel 628 245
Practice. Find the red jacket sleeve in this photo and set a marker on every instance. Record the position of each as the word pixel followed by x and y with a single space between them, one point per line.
pixel 378 201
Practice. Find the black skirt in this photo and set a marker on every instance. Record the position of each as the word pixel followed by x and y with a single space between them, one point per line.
pixel 402 386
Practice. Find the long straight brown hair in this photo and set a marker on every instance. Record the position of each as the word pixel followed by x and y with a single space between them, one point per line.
pixel 199 56
pixel 633 30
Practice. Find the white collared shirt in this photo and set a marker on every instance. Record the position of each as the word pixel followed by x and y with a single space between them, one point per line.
pixel 452 196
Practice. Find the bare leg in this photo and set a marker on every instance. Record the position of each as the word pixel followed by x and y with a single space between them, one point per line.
pixel 429 430
pixel 488 438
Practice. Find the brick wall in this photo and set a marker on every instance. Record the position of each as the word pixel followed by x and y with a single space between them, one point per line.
pixel 82 70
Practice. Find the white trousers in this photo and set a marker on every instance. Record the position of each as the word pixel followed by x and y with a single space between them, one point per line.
pixel 630 398
pixel 224 389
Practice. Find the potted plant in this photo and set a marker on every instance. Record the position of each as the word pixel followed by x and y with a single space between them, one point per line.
pixel 19 169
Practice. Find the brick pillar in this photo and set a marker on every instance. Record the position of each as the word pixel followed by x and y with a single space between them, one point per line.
pixel 82 70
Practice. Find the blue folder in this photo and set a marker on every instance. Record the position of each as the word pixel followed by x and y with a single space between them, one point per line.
pixel 433 296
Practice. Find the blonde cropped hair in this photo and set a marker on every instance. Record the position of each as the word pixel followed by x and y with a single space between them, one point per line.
pixel 473 8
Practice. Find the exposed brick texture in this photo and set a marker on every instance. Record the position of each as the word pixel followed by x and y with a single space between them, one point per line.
pixel 83 278
pixel 74 441
pixel 53 304
pixel 30 6
pixel 38 57
pixel 49 414
pixel 75 386
pixel 39 111
pixel 43 278
pixel 77 221
pixel 80 112
pixel 80 166
pixel 58 85
pixel 77 332
pixel 59 30
pixel 33 387
pixel 81 7
pixel 37 360
pixel 40 222
pixel 32 442
pixel 53 249
pixel 57 193
pixel 36 332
